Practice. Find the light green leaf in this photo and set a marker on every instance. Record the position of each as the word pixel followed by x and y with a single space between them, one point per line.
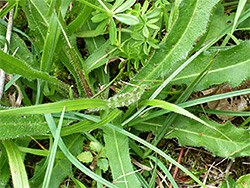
pixel 193 133
pixel 103 164
pixel 85 157
pixel 125 6
pixel 117 4
pixel 18 172
pixel 52 155
pixel 174 108
pixel 95 146
pixel 50 44
pixel 226 67
pixel 112 32
pixel 243 181
pixel 117 151
pixel 191 24
pixel 78 104
pixel 127 19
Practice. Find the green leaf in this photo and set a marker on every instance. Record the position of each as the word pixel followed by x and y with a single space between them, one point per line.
pixel 94 42
pixel 99 17
pixel 243 181
pixel 62 167
pixel 95 146
pixel 81 18
pixel 103 164
pixel 72 159
pixel 100 56
pixel 117 4
pixel 36 11
pixel 142 141
pixel 85 157
pixel 193 133
pixel 78 104
pixel 112 32
pixel 23 53
pixel 52 155
pixel 12 65
pixel 174 108
pixel 18 172
pixel 125 6
pixel 226 67
pixel 117 151
pixel 127 19
pixel 191 24
pixel 4 167
pixel 50 44
pixel 18 126
pixel 229 182
pixel 219 22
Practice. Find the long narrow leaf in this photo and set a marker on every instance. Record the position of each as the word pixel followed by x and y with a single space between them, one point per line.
pixel 78 104
pixel 18 172
pixel 179 110
pixel 53 152
pixel 12 65
pixel 74 161
pixel 150 146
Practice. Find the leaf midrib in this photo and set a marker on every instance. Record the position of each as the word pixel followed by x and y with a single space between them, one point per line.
pixel 210 137
pixel 212 71
pixel 119 157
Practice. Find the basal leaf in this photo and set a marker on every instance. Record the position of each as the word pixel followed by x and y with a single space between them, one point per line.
pixel 36 11
pixel 219 22
pixel 226 67
pixel 117 151
pixel 18 46
pixel 19 126
pixel 12 65
pixel 191 24
pixel 192 133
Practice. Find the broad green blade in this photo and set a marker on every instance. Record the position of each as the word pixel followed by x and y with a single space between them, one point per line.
pixel 117 151
pixel 227 67
pixel 192 23
pixel 193 133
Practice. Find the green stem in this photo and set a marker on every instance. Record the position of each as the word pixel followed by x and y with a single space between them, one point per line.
pixel 104 5
pixel 108 84
pixel 94 6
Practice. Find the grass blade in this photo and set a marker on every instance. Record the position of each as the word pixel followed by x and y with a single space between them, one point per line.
pixel 18 172
pixel 53 153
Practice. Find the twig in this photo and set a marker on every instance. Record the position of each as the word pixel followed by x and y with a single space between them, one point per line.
pixel 8 36
pixel 176 168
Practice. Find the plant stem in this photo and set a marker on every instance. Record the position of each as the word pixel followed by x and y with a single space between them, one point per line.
pixel 8 37
pixel 94 6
